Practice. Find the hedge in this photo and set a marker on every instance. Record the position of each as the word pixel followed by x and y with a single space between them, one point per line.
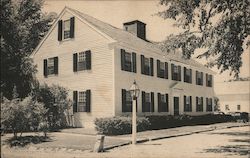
pixel 122 125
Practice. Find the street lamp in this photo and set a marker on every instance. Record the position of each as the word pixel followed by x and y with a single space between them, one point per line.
pixel 135 92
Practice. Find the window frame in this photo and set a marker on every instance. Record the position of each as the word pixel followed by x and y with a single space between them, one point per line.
pixel 66 31
pixel 187 103
pixel 82 101
pixel 51 66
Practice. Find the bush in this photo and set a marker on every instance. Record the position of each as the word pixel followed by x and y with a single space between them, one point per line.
pixel 120 125
pixel 22 115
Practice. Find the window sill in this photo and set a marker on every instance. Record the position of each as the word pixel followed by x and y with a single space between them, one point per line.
pixel 51 75
pixel 67 39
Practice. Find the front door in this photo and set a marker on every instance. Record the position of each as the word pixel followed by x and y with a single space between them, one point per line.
pixel 176 105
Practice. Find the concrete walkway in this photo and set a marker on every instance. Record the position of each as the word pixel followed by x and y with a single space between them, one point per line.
pixel 120 140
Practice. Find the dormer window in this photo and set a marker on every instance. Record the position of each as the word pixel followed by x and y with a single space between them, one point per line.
pixel 66 29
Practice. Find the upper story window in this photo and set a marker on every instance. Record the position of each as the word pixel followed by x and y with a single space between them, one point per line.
pixel 66 29
pixel 199 78
pixel 209 104
pixel 162 69
pixel 81 101
pixel 176 72
pixel 209 79
pixel 50 66
pixel 82 61
pixel 187 75
pixel 199 104
pixel 147 66
pixel 187 103
pixel 126 101
pixel 128 61
pixel 162 102
pixel 147 102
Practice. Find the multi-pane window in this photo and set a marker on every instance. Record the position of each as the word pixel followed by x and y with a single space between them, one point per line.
pixel 147 66
pixel 199 104
pixel 147 102
pixel 162 69
pixel 81 101
pixel 126 101
pixel 187 103
pixel 238 107
pixel 176 72
pixel 199 78
pixel 128 61
pixel 50 66
pixel 82 61
pixel 162 102
pixel 209 104
pixel 209 80
pixel 66 29
pixel 187 75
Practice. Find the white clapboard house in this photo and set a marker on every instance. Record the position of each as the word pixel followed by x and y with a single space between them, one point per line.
pixel 98 63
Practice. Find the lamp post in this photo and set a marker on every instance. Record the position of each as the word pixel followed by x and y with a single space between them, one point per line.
pixel 135 92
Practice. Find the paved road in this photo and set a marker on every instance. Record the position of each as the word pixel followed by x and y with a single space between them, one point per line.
pixel 230 143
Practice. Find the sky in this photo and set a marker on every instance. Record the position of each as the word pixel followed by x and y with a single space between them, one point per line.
pixel 117 12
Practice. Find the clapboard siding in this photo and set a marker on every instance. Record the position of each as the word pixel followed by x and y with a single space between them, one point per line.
pixel 124 79
pixel 99 79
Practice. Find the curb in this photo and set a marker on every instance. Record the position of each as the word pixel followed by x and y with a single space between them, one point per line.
pixel 173 136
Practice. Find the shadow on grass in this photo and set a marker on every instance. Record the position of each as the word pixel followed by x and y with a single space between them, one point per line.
pixel 25 140
pixel 235 149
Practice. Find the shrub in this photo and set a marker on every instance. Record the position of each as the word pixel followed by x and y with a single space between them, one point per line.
pixel 120 125
pixel 22 115
pixel 55 99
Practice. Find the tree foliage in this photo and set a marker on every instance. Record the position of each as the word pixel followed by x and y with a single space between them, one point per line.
pixel 55 99
pixel 22 26
pixel 22 115
pixel 219 26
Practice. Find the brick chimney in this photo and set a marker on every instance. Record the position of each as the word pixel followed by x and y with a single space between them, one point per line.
pixel 136 27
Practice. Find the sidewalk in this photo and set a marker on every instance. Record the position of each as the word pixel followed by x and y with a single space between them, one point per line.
pixel 120 140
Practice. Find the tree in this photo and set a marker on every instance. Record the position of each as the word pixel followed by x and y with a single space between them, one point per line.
pixel 22 26
pixel 219 26
pixel 216 104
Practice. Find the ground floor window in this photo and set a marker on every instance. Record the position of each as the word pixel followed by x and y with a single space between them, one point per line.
pixel 209 104
pixel 81 101
pixel 126 101
pixel 199 104
pixel 238 107
pixel 187 103
pixel 162 102
pixel 147 102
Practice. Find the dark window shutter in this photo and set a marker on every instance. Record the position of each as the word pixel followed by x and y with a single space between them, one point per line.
pixel 152 66
pixel 124 100
pixel 206 104
pixel 122 59
pixel 158 67
pixel 206 79
pixel 191 76
pixel 75 100
pixel 56 65
pixel 45 68
pixel 152 102
pixel 166 70
pixel 196 76
pixel 88 100
pixel 197 105
pixel 185 106
pixel 172 71
pixel 143 101
pixel 88 59
pixel 190 104
pixel 179 73
pixel 59 30
pixel 72 27
pixel 134 61
pixel 142 64
pixel 75 62
pixel 167 109
pixel 201 78
pixel 159 102
pixel 185 74
pixel 211 80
